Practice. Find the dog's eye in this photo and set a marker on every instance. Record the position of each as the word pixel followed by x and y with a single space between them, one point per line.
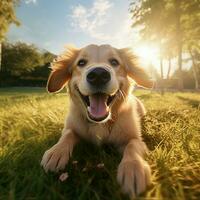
pixel 114 62
pixel 82 62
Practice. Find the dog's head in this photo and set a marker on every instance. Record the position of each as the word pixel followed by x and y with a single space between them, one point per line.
pixel 96 76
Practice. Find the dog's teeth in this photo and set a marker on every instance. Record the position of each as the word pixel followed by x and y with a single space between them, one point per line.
pixel 89 109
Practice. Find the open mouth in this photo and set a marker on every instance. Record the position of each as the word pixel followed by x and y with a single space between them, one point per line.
pixel 98 105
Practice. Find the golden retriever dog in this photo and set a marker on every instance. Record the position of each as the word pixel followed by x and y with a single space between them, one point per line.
pixel 102 109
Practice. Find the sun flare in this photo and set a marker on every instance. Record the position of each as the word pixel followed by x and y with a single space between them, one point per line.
pixel 148 55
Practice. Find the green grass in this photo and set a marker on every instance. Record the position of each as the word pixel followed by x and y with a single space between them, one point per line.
pixel 31 121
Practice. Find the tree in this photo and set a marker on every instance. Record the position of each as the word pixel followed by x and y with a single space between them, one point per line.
pixel 44 69
pixel 19 58
pixel 47 57
pixel 185 14
pixel 24 65
pixel 172 23
pixel 195 57
pixel 192 38
pixel 150 15
pixel 7 17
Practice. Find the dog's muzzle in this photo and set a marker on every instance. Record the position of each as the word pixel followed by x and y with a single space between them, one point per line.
pixel 99 101
pixel 98 77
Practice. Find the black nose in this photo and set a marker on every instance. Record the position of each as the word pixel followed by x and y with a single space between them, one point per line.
pixel 98 76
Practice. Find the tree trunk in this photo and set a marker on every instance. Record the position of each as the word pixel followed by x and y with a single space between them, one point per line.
pixel 161 75
pixel 180 84
pixel 179 42
pixel 194 70
pixel 161 68
pixel 161 61
pixel 169 67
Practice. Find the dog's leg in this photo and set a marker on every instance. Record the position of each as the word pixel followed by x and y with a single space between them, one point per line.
pixel 56 157
pixel 133 171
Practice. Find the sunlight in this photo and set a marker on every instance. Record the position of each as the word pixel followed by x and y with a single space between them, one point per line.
pixel 148 55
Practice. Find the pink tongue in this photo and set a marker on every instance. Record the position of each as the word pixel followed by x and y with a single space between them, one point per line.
pixel 98 108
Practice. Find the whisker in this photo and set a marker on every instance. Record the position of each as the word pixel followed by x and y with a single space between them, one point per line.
pixel 122 94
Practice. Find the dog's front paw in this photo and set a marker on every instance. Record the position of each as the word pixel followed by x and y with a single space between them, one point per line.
pixel 56 158
pixel 133 176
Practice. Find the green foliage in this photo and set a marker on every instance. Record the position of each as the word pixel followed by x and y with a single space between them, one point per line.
pixel 7 15
pixel 47 57
pixel 24 64
pixel 34 123
pixel 173 24
pixel 167 22
pixel 20 57
pixel 191 24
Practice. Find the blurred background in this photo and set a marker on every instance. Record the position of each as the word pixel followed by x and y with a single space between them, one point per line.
pixel 165 34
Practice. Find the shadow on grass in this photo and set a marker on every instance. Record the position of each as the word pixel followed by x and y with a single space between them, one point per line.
pixel 191 102
pixel 22 176
pixel 151 137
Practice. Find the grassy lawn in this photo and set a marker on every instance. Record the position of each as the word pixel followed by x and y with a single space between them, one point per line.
pixel 31 121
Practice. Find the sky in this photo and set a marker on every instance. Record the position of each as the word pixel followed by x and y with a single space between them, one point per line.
pixel 52 24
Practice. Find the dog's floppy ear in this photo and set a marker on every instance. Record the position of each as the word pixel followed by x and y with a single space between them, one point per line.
pixel 133 70
pixel 61 70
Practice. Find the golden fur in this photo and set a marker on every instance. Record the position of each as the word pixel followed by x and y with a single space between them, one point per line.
pixel 121 127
